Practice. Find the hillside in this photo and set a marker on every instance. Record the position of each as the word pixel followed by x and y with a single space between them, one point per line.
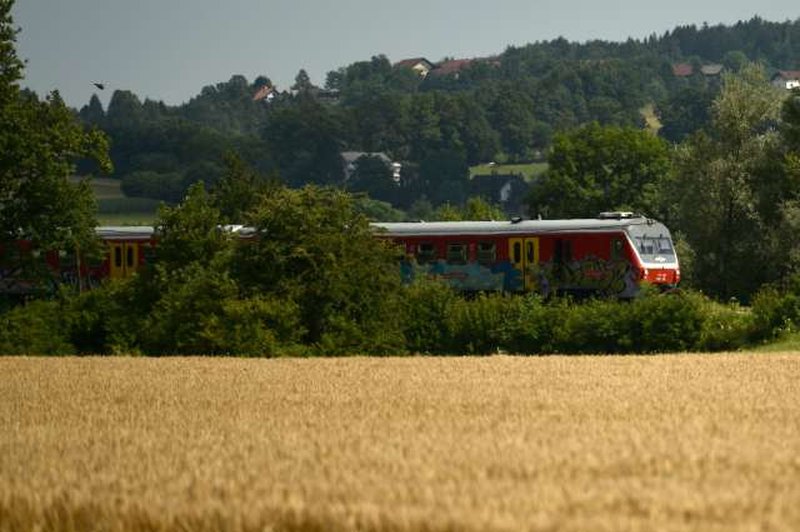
pixel 463 113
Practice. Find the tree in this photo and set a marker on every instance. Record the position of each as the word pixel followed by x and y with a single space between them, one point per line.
pixel 599 168
pixel 727 195
pixel 313 247
pixel 305 138
pixel 40 142
pixel 302 83
pixel 239 190
pixel 373 176
pixel 684 112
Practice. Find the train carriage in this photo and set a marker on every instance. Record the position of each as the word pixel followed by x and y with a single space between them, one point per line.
pixel 610 255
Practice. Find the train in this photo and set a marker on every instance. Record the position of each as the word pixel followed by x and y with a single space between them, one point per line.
pixel 610 255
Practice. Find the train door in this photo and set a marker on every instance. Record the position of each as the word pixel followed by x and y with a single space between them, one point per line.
pixel 123 259
pixel 524 254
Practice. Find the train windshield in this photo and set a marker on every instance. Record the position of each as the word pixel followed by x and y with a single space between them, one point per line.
pixel 653 243
pixel 655 249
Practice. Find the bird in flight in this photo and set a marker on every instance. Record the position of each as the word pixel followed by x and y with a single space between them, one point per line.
pixel 99 85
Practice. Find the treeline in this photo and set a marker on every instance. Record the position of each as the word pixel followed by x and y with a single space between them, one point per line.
pixel 503 108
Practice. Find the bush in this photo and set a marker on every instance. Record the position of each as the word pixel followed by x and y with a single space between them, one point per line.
pixel 725 327
pixel 479 326
pixel 426 306
pixel 105 320
pixel 532 328
pixel 258 326
pixel 596 326
pixel 776 313
pixel 666 323
pixel 35 328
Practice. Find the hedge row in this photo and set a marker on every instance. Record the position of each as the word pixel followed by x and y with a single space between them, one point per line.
pixel 432 320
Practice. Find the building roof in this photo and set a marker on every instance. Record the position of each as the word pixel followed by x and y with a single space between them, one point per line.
pixel 353 156
pixel 787 74
pixel 414 61
pixel 682 70
pixel 711 70
pixel 445 68
pixel 263 92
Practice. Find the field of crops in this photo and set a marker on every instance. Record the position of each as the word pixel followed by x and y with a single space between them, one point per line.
pixel 553 443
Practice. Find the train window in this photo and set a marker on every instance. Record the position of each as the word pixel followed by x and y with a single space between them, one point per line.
pixel 129 256
pixel 148 252
pixel 563 251
pixel 426 253
pixel 616 248
pixel 456 253
pixel 487 252
pixel 118 256
pixel 517 252
pixel 529 253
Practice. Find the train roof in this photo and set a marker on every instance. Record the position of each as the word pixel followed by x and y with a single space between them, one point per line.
pixel 125 232
pixel 597 225
pixel 401 229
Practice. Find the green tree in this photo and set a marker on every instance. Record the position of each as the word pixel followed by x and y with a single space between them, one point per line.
pixel 239 190
pixel 599 168
pixel 40 143
pixel 373 176
pixel 305 137
pixel 727 194
pixel 315 249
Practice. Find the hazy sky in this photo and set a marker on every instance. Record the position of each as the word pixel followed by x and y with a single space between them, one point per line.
pixel 169 49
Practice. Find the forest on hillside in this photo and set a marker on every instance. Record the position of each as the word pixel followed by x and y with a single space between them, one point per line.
pixel 505 108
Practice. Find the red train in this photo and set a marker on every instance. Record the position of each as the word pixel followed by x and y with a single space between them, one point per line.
pixel 610 255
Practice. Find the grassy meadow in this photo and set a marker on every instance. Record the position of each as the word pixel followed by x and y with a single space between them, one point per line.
pixel 680 442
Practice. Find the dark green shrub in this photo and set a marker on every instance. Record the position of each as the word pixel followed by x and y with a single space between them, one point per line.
pixel 35 328
pixel 185 320
pixel 775 313
pixel 479 326
pixel 725 327
pixel 257 326
pixel 597 326
pixel 532 328
pixel 666 323
pixel 426 306
pixel 105 320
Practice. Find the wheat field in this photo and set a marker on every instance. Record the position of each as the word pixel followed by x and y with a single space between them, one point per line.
pixel 499 443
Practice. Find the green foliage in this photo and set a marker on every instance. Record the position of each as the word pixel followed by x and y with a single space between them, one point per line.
pixel 36 328
pixel 479 326
pixel 776 310
pixel 239 189
pixel 323 255
pixel 731 194
pixel 600 168
pixel 426 307
pixel 105 320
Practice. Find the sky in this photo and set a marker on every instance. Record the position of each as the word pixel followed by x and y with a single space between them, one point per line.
pixel 169 50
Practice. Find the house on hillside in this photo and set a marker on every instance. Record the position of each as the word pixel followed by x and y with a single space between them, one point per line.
pixel 507 190
pixel 420 65
pixel 787 79
pixel 682 70
pixel 454 67
pixel 351 158
pixel 711 70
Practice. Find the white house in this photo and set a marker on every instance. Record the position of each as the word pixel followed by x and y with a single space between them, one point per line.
pixel 787 79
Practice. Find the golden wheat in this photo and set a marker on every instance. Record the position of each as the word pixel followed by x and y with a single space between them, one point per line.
pixel 504 443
